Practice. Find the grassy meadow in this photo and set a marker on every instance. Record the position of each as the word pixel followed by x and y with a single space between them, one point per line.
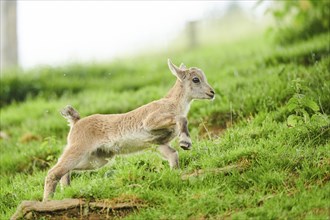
pixel 263 143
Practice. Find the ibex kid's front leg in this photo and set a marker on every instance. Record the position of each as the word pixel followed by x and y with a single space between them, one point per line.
pixel 170 154
pixel 184 137
pixel 158 121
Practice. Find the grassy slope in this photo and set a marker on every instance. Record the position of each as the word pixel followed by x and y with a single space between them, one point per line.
pixel 286 169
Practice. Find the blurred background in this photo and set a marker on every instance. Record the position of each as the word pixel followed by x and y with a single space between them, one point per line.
pixel 268 62
pixel 58 32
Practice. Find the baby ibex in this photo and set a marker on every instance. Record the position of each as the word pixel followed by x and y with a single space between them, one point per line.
pixel 93 140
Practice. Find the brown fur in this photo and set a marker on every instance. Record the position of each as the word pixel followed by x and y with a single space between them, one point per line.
pixel 95 139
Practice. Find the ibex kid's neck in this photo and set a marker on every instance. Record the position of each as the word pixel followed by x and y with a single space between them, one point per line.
pixel 179 95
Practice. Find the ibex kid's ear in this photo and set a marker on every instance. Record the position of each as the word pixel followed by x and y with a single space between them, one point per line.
pixel 183 67
pixel 175 70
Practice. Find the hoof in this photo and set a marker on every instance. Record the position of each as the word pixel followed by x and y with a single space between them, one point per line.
pixel 185 145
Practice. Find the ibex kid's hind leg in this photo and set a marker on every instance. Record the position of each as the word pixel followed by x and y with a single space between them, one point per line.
pixel 67 162
pixel 170 154
pixel 65 180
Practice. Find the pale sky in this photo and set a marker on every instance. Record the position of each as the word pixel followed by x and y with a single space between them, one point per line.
pixel 56 32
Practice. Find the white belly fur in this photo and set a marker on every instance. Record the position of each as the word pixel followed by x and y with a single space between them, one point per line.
pixel 130 143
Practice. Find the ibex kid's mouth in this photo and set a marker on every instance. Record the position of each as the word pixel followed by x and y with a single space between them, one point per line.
pixel 211 94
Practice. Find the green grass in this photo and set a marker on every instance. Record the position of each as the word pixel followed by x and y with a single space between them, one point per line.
pixel 286 168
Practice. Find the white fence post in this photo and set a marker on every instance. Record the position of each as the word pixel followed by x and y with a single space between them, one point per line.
pixel 9 48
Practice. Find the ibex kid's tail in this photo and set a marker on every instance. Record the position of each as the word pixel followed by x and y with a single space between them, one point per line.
pixel 71 114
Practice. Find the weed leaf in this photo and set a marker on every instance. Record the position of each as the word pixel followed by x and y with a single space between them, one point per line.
pixel 321 119
pixel 311 104
pixel 293 103
pixel 293 120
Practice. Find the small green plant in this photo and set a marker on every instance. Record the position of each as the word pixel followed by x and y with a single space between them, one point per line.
pixel 304 109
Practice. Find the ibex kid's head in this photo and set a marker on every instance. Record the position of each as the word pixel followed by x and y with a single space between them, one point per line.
pixel 193 80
